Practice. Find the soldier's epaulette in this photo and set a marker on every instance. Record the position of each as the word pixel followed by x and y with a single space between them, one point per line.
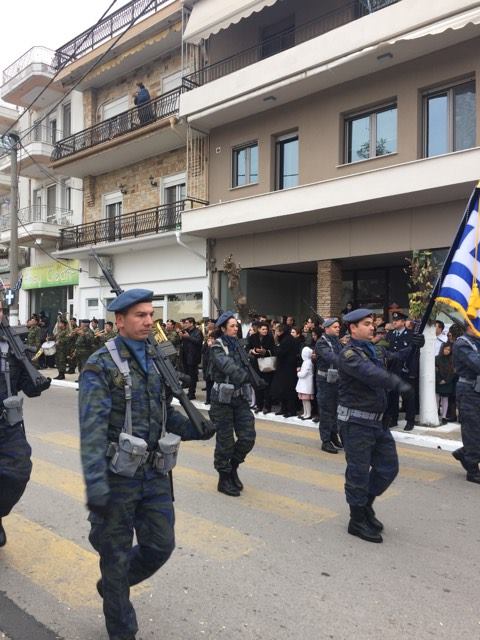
pixel 348 353
pixel 92 367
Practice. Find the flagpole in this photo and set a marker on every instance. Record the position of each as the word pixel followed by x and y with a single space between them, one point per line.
pixel 449 258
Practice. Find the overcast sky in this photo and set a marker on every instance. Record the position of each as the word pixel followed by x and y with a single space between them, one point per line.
pixel 49 23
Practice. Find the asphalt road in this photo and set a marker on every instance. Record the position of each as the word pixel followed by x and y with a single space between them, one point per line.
pixel 274 564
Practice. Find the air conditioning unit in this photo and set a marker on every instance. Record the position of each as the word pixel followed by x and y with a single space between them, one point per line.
pixel 94 270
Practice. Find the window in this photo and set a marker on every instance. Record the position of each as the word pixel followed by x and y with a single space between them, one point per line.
pixel 371 134
pixel 113 206
pixel 286 161
pixel 174 190
pixel 245 165
pixel 67 120
pixel 173 81
pixel 449 119
pixel 52 131
pixel 114 107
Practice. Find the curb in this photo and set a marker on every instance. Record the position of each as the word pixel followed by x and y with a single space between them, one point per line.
pixel 417 437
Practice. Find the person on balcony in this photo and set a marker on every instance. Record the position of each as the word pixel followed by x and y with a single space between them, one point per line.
pixel 141 100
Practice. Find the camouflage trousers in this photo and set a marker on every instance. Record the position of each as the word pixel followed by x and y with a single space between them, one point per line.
pixel 327 400
pixel 468 403
pixel 230 420
pixel 142 504
pixel 15 466
pixel 372 461
pixel 61 360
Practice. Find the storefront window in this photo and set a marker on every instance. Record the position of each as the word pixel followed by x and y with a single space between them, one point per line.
pixel 183 305
pixel 51 301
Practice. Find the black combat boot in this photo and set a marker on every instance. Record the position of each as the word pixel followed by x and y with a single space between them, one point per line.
pixel 459 454
pixel 359 526
pixel 409 426
pixel 370 515
pixel 61 376
pixel 335 439
pixel 234 475
pixel 100 587
pixel 328 447
pixel 226 486
pixel 473 475
pixel 3 535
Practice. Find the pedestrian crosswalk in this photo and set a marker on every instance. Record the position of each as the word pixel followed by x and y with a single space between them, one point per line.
pixel 285 457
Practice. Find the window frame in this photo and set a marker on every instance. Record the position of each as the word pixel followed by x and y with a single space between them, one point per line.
pixel 279 143
pixel 248 146
pixel 447 89
pixel 385 106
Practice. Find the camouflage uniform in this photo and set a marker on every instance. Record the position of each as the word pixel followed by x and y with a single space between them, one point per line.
pixel 177 343
pixel 235 417
pixel 15 452
pixel 142 503
pixel 34 337
pixel 84 347
pixel 62 346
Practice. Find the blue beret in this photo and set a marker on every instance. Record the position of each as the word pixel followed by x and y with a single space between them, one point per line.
pixel 129 298
pixel 357 315
pixel 329 321
pixel 226 315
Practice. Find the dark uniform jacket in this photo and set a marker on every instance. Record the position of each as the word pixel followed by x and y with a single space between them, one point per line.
pixel 364 380
pixel 225 364
pixel 19 380
pixel 406 367
pixel 327 350
pixel 102 412
pixel 466 357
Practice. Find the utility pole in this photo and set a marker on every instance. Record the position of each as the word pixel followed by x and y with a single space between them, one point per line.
pixel 13 252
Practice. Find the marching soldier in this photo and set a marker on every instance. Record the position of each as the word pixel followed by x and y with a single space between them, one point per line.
pixel 327 350
pixel 230 405
pixel 466 357
pixel 84 344
pixel 15 452
pixel 372 461
pixel 34 335
pixel 62 346
pixel 128 446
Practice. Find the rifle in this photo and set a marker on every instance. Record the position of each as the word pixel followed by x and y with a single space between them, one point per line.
pixel 167 371
pixel 19 350
pixel 256 381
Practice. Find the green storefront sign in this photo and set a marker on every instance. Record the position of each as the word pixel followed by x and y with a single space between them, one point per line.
pixel 51 275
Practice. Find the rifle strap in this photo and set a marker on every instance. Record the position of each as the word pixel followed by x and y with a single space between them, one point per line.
pixel 5 365
pixel 122 366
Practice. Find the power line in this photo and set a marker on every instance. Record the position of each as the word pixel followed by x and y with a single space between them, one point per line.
pixel 94 65
pixel 43 170
pixel 53 78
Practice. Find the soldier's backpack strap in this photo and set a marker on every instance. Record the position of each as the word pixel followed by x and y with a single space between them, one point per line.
pixel 5 365
pixel 124 369
pixel 227 352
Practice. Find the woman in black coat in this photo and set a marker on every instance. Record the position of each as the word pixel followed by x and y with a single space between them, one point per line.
pixel 285 378
pixel 259 345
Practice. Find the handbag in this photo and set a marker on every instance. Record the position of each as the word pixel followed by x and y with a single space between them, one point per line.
pixel 267 364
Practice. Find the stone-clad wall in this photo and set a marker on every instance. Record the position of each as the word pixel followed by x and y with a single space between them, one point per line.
pixel 140 193
pixel 329 288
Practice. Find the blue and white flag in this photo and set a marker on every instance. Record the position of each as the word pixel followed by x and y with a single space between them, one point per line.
pixel 459 287
pixel 18 284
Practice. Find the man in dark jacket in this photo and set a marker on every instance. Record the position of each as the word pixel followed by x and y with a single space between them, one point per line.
pixel 192 341
pixel 141 100
pixel 372 461
pixel 285 379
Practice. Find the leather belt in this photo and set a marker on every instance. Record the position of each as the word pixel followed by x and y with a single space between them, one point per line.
pixel 467 381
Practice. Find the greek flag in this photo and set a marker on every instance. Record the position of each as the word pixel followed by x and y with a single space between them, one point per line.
pixel 460 279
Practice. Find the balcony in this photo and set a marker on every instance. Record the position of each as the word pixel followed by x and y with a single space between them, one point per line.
pixel 35 151
pixel 333 49
pixel 29 76
pixel 285 40
pixel 156 220
pixel 37 222
pixel 131 136
pixel 112 25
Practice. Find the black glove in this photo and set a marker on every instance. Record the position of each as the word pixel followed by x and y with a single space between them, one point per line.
pixel 43 386
pixel 418 340
pixel 99 509
pixel 208 432
pixel 401 386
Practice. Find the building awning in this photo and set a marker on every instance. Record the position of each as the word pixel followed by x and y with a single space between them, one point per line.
pixel 457 21
pixel 209 17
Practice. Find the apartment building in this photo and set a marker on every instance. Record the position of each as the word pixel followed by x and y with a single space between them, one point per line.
pixel 48 200
pixel 132 161
pixel 342 137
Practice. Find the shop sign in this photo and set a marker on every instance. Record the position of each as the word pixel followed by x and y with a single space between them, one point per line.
pixel 51 275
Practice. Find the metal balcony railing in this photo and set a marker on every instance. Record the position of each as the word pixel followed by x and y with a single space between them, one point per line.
pixel 39 213
pixel 35 55
pixel 167 217
pixel 286 40
pixel 110 26
pixel 165 105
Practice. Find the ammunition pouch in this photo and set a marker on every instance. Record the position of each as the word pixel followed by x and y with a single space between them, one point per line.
pixel 165 458
pixel 13 410
pixel 332 375
pixel 476 386
pixel 224 392
pixel 128 455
